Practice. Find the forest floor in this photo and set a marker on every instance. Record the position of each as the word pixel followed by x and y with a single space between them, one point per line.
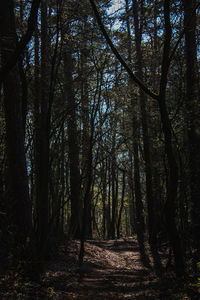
pixel 111 270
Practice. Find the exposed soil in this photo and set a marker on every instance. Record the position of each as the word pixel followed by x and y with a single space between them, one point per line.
pixel 111 270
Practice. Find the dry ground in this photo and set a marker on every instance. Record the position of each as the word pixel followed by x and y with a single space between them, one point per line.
pixel 111 270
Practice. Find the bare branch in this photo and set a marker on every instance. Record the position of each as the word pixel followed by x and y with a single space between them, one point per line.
pixel 118 56
pixel 22 43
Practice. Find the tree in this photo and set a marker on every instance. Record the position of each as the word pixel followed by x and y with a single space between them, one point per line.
pixel 75 180
pixel 138 28
pixel 18 202
pixel 172 185
pixel 42 144
pixel 192 116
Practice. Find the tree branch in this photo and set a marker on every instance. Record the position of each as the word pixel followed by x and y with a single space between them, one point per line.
pixel 20 47
pixel 182 34
pixel 166 50
pixel 118 56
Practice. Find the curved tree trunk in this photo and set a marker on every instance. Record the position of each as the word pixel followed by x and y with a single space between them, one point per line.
pixel 172 183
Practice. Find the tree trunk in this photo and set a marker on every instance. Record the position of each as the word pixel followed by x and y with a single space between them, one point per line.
pixel 42 145
pixel 75 180
pixel 139 219
pixel 122 204
pixel 104 193
pixel 172 184
pixel 113 184
pixel 18 203
pixel 108 216
pixel 143 99
pixel 193 116
pixel 85 134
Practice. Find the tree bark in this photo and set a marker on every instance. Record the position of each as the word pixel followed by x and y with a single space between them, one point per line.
pixel 113 182
pixel 193 116
pixel 122 204
pixel 21 45
pixel 138 23
pixel 19 207
pixel 139 219
pixel 75 180
pixel 86 132
pixel 42 142
pixel 172 184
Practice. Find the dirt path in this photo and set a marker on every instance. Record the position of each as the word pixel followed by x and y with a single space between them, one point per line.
pixel 111 270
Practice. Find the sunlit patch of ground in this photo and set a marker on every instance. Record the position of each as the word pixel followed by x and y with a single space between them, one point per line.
pixel 111 270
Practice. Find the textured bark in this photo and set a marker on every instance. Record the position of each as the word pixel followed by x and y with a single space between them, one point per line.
pixel 42 142
pixel 104 194
pixel 75 180
pixel 113 183
pixel 122 204
pixel 140 226
pixel 108 217
pixel 60 216
pixel 172 183
pixel 18 204
pixel 139 219
pixel 21 45
pixel 138 23
pixel 132 221
pixel 193 116
pixel 86 170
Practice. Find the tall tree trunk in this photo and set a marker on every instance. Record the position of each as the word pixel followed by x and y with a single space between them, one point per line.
pixel 140 226
pixel 18 203
pixel 138 24
pixel 86 133
pixel 104 193
pixel 172 182
pixel 122 204
pixel 75 180
pixel 108 216
pixel 36 103
pixel 193 116
pixel 60 220
pixel 131 206
pixel 139 219
pixel 42 145
pixel 113 182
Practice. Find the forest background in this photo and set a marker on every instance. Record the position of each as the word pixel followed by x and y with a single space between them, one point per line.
pixel 100 129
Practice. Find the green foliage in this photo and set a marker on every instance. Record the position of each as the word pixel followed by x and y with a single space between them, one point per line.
pixel 51 291
pixel 198 265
